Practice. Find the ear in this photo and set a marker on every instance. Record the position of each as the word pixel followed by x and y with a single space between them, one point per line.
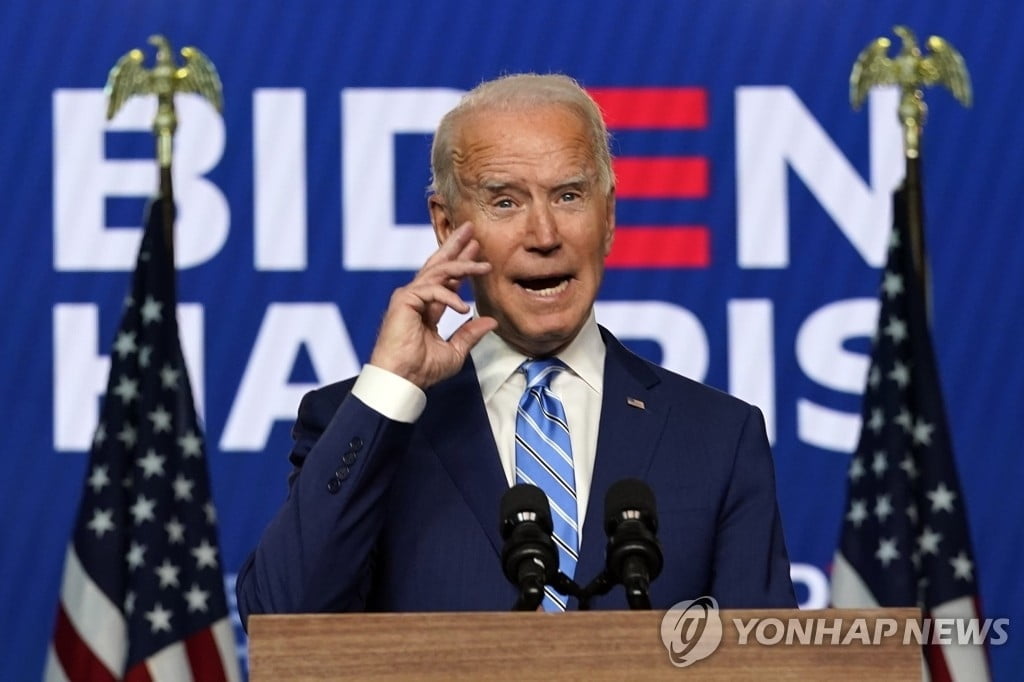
pixel 440 218
pixel 609 235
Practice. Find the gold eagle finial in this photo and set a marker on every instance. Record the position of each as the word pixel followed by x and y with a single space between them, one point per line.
pixel 911 70
pixel 129 78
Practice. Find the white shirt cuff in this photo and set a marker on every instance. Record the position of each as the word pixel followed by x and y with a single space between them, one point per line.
pixel 394 397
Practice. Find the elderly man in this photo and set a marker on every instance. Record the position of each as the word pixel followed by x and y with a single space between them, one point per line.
pixel 393 500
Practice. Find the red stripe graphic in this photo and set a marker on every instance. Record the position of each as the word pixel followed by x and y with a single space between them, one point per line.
pixel 75 656
pixel 204 657
pixel 670 177
pixel 652 108
pixel 660 177
pixel 682 246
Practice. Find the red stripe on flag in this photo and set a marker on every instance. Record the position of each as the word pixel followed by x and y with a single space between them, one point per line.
pixel 936 661
pixel 138 673
pixel 204 657
pixel 76 658
pixel 670 177
pixel 686 246
pixel 652 108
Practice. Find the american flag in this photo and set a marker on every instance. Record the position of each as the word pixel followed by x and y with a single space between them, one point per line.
pixel 142 596
pixel 904 539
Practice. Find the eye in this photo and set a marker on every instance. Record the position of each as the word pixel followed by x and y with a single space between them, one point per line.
pixel 569 197
pixel 503 203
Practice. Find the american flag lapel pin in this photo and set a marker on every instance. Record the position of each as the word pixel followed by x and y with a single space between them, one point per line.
pixel 636 402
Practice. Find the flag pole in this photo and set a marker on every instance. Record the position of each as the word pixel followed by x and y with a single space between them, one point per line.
pixel 143 588
pixel 904 536
pixel 129 78
pixel 911 70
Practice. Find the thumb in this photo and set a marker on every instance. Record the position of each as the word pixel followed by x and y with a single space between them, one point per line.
pixel 470 333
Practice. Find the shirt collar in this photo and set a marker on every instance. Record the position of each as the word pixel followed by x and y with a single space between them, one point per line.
pixel 496 361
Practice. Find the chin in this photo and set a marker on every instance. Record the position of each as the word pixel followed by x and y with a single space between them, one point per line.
pixel 543 340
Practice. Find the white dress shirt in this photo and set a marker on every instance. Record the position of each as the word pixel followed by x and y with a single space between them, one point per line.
pixel 579 389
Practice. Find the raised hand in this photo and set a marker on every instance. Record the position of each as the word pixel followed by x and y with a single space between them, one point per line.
pixel 408 343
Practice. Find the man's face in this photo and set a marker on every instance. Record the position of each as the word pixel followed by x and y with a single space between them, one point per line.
pixel 528 183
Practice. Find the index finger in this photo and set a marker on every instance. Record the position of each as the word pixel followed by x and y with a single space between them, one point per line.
pixel 454 244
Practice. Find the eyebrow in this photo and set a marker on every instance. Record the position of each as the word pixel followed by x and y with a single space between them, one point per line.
pixel 579 181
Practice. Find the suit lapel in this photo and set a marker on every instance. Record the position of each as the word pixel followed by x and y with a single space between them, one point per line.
pixel 631 422
pixel 456 426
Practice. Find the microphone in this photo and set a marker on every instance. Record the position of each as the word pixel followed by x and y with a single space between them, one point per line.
pixel 633 556
pixel 529 557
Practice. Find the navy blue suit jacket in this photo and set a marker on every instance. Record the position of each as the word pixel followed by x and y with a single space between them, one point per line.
pixel 410 521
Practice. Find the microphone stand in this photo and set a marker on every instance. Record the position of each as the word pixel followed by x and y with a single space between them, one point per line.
pixel 531 594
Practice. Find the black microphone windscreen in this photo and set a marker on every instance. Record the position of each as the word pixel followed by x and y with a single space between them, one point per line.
pixel 525 499
pixel 629 497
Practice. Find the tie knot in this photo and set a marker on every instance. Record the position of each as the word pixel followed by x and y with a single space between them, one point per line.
pixel 541 371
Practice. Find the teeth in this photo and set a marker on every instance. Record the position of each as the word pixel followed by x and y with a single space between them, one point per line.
pixel 551 291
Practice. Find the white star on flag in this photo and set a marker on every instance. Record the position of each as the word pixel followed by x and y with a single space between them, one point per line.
pixel 142 510
pixel 151 310
pixel 877 420
pixel 879 464
pixel 159 618
pixel 928 541
pixel 169 376
pixel 98 478
pixel 152 464
pixel 196 599
pixel 128 436
pixel 168 574
pixel 909 467
pixel 161 419
pixel 896 330
pixel 182 488
pixel 942 498
pixel 856 469
pixel 205 554
pixel 127 390
pixel 963 567
pixel 893 284
pixel 883 507
pixel 191 445
pixel 900 374
pixel 923 432
pixel 125 344
pixel 858 512
pixel 102 521
pixel 905 419
pixel 136 556
pixel 887 551
pixel 175 531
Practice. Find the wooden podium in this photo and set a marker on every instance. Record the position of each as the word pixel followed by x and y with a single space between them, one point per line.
pixel 594 645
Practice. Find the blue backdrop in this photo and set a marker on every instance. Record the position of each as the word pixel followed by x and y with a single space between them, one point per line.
pixel 303 208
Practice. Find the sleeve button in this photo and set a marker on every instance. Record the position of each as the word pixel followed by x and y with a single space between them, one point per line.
pixel 355 444
pixel 342 474
pixel 349 458
pixel 333 485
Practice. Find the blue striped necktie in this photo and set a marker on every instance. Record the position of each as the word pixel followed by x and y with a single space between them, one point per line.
pixel 544 459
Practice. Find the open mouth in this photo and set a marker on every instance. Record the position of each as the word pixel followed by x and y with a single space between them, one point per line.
pixel 545 286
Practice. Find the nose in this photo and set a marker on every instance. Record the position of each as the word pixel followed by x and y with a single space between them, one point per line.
pixel 543 232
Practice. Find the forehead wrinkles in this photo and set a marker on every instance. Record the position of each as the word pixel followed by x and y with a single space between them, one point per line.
pixel 550 161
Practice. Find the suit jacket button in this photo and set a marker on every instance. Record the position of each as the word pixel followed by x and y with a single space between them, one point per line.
pixel 342 474
pixel 349 459
pixel 355 444
pixel 333 485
